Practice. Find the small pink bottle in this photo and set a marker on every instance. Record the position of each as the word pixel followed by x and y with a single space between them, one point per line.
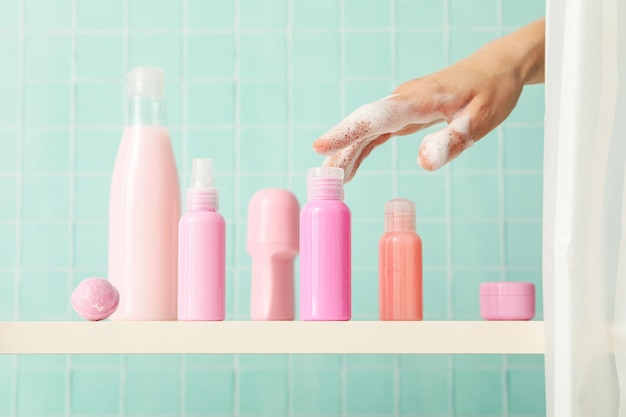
pixel 202 250
pixel 325 258
pixel 273 244
pixel 400 264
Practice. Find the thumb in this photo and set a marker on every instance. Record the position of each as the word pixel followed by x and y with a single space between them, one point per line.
pixel 441 147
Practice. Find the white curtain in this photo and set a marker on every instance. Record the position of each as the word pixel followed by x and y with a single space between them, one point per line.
pixel 584 238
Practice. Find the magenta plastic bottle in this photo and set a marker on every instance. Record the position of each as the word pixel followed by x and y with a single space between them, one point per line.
pixel 202 250
pixel 325 258
pixel 144 206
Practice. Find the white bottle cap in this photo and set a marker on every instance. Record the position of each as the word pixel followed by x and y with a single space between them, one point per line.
pixel 146 82
pixel 325 183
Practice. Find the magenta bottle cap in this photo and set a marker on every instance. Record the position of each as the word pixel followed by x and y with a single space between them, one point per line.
pixel 507 288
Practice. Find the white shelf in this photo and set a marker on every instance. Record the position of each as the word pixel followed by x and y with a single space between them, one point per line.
pixel 296 337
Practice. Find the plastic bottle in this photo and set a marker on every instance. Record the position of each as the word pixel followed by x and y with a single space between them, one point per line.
pixel 273 244
pixel 144 206
pixel 202 250
pixel 400 264
pixel 325 270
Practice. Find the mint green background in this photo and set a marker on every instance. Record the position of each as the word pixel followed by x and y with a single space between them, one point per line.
pixel 252 83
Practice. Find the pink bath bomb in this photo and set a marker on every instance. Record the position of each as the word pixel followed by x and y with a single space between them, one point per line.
pixel 95 299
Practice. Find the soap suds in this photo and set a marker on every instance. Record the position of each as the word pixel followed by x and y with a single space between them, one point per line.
pixel 344 144
pixel 347 157
pixel 387 115
pixel 441 147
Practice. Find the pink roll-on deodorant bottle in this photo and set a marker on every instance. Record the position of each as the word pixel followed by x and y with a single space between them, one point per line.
pixel 325 258
pixel 272 243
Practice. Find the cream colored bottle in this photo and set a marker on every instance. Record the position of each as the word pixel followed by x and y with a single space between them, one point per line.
pixel 145 207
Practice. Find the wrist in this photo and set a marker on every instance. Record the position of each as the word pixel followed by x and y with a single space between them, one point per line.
pixel 521 53
pixel 526 49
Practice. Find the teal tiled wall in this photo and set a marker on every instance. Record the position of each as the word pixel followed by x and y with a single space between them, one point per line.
pixel 251 83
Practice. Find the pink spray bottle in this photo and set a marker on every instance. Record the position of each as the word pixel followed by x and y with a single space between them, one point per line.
pixel 325 258
pixel 202 250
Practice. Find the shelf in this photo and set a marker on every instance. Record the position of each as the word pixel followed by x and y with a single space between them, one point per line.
pixel 242 337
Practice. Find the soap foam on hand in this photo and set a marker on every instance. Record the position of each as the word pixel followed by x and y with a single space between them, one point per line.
pixel 443 146
pixel 352 140
pixel 95 299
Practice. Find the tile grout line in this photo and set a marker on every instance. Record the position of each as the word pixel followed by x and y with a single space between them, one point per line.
pixel 394 181
pixel 290 149
pixel 394 82
pixel 182 362
pixel 360 220
pixel 461 29
pixel 237 190
pixel 449 263
pixel 342 109
pixel 18 202
pixel 126 16
pixel 103 174
pixel 357 268
pixel 289 46
pixel 270 126
pixel 72 191
pixel 503 219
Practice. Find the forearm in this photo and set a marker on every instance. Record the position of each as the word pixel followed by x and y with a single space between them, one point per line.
pixel 522 51
pixel 531 44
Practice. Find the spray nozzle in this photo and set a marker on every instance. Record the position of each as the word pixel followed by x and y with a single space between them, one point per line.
pixel 202 173
pixel 202 193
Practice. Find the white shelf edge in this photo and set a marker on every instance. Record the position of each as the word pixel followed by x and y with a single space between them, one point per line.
pixel 297 337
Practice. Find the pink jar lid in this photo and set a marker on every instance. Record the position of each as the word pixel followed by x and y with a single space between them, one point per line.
pixel 507 288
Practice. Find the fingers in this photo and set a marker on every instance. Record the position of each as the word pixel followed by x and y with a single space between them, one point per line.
pixel 365 153
pixel 388 115
pixel 346 158
pixel 441 147
pixel 351 157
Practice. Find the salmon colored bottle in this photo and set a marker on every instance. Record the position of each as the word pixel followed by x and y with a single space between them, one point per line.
pixel 400 264
pixel 144 206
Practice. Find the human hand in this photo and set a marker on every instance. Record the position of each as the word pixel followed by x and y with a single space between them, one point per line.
pixel 473 96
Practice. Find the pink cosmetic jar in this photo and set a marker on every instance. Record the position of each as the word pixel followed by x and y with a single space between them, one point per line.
pixel 507 300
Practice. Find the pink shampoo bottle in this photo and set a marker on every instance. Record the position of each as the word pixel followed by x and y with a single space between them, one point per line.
pixel 144 206
pixel 325 258
pixel 202 254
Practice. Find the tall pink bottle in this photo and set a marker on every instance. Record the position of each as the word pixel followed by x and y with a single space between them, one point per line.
pixel 144 206
pixel 325 258
pixel 400 264
pixel 202 250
